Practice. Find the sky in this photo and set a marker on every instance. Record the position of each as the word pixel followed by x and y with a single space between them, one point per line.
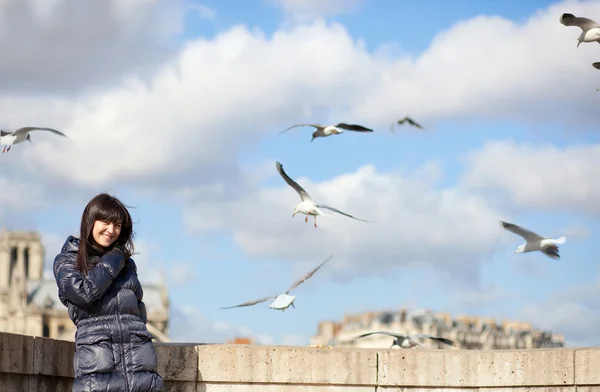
pixel 176 106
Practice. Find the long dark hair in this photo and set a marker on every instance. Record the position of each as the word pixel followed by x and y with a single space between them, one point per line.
pixel 108 208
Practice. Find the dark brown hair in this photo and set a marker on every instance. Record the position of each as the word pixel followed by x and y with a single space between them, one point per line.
pixel 103 207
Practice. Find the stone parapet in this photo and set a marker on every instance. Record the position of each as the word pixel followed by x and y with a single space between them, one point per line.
pixel 37 364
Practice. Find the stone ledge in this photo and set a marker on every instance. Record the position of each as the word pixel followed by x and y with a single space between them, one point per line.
pixel 37 364
pixel 475 368
pixel 280 365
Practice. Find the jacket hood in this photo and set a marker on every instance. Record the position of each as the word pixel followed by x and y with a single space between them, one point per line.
pixel 71 245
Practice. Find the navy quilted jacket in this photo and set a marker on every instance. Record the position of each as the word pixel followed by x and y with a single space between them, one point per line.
pixel 113 348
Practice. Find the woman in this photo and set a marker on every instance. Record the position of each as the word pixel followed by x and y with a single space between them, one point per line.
pixel 98 283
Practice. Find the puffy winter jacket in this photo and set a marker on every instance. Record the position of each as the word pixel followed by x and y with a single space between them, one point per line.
pixel 113 348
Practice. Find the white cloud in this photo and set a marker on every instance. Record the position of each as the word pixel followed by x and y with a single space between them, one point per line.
pixel 148 269
pixel 188 325
pixel 268 81
pixel 411 223
pixel 538 176
pixel 204 11
pixel 182 273
pixel 302 10
pixel 65 45
pixel 574 312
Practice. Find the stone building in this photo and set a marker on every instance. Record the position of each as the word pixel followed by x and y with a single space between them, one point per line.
pixel 29 302
pixel 466 331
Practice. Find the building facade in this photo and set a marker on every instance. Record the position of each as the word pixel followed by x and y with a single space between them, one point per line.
pixel 29 302
pixel 470 333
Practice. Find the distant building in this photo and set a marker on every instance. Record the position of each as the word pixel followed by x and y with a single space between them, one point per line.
pixel 467 332
pixel 29 303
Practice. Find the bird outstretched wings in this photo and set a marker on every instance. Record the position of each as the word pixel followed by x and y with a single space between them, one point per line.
pixel 339 212
pixel 303 194
pixel 583 23
pixel 526 234
pixel 308 275
pixel 249 303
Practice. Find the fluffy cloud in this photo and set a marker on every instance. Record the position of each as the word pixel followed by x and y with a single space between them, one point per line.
pixel 411 222
pixel 187 325
pixel 302 10
pixel 65 45
pixel 538 176
pixel 193 115
pixel 574 312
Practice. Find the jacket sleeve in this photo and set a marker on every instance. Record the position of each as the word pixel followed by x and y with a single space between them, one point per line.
pixel 139 292
pixel 85 290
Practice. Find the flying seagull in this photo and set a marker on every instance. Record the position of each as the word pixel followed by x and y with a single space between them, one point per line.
pixel 407 341
pixel 406 119
pixel 533 241
pixel 21 135
pixel 284 300
pixel 307 206
pixel 590 29
pixel 328 130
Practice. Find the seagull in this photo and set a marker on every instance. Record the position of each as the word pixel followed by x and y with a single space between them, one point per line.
pixel 328 130
pixel 590 29
pixel 20 135
pixel 405 119
pixel 307 206
pixel 282 301
pixel 407 341
pixel 533 241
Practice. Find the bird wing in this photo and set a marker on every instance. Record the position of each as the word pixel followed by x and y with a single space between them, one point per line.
pixel 583 23
pixel 528 235
pixel 353 127
pixel 410 121
pixel 596 65
pixel 301 125
pixel 303 194
pixel 436 338
pixel 4 133
pixel 551 251
pixel 379 332
pixel 24 130
pixel 339 212
pixel 308 275
pixel 249 303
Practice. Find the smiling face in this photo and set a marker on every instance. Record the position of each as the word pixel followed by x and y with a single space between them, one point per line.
pixel 105 233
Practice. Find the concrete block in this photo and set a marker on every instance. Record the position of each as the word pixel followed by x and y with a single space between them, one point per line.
pixel 53 357
pixel 587 366
pixel 16 353
pixel 474 368
pixel 14 382
pixel 297 365
pixel 181 386
pixel 44 383
pixel 177 362
pixel 282 388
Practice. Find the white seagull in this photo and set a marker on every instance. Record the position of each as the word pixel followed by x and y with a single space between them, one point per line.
pixel 21 135
pixel 407 341
pixel 284 300
pixel 328 130
pixel 406 119
pixel 307 206
pixel 533 241
pixel 590 29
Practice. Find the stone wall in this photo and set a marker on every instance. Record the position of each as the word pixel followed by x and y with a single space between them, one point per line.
pixel 39 364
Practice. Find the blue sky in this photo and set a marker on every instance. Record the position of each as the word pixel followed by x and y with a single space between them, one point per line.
pixel 504 138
